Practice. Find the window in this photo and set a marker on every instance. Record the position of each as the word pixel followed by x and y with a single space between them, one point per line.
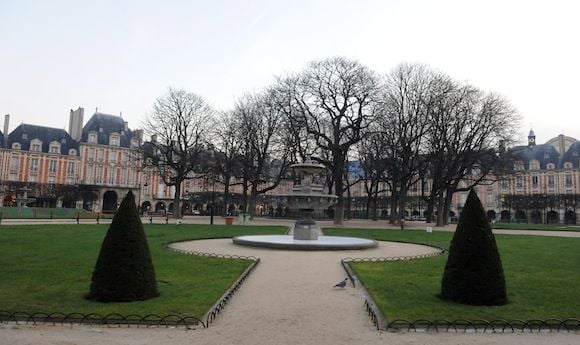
pixel 504 184
pixel 111 176
pixel 546 155
pixel 34 165
pixel 32 178
pixel 54 149
pixel 71 168
pixel 16 146
pixel 93 138
pixel 550 166
pixel 567 165
pixel 551 181
pixel 69 180
pixel 568 180
pixel 14 161
pixel 35 147
pixel 101 155
pixel 535 181
pixel 13 177
pixel 99 175
pixel 72 152
pixel 90 175
pixel 518 166
pixel 114 140
pixel 91 153
pixel 51 179
pixel 25 136
pixel 519 181
pixel 113 156
pixel 52 167
pixel 534 165
pixel 63 140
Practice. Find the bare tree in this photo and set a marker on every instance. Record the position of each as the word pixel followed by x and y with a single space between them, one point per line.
pixel 179 123
pixel 405 123
pixel 227 157
pixel 264 149
pixel 332 103
pixel 468 126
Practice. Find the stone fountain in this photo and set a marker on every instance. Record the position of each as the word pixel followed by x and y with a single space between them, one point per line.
pixel 306 197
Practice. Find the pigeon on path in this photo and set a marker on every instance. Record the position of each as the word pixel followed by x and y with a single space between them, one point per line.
pixel 342 284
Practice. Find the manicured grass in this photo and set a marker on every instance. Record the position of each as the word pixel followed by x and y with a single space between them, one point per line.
pixel 546 227
pixel 542 277
pixel 49 213
pixel 48 268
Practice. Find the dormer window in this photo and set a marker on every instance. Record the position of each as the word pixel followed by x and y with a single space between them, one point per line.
pixel 100 129
pixel 63 140
pixel 518 165
pixel 16 146
pixel 25 136
pixel 534 165
pixel 567 165
pixel 54 147
pixel 93 138
pixel 575 153
pixel 114 140
pixel 72 152
pixel 36 145
pixel 546 155
pixel 134 143
pixel 550 166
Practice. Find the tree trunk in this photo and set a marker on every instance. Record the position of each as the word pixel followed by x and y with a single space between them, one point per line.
pixel 430 208
pixel 394 203
pixel 253 197
pixel 375 202
pixel 337 177
pixel 245 194
pixel 448 199
pixel 176 197
pixel 402 203
pixel 440 209
pixel 226 194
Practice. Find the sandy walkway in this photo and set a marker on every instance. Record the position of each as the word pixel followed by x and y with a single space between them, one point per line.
pixel 288 299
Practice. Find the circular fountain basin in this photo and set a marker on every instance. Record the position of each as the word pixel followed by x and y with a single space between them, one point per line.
pixel 288 242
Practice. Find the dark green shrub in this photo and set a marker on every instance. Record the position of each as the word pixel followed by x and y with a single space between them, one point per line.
pixel 473 273
pixel 124 271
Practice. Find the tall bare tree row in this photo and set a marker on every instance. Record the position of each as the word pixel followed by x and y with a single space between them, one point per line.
pixel 412 127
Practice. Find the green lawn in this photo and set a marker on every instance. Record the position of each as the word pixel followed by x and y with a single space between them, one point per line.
pixel 542 277
pixel 47 268
pixel 547 227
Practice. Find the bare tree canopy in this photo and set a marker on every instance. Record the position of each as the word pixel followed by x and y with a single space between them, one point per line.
pixel 265 145
pixel 332 105
pixel 178 125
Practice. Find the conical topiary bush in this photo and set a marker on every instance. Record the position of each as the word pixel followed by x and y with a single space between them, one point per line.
pixel 124 271
pixel 474 273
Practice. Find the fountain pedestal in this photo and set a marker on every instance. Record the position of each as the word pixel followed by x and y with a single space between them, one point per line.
pixel 305 228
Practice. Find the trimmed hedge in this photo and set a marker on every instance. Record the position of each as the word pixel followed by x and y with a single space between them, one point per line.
pixel 124 270
pixel 474 273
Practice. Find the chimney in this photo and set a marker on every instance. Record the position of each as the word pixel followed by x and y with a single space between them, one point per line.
pixel 75 123
pixel 125 125
pixel 6 122
pixel 138 133
pixel 154 138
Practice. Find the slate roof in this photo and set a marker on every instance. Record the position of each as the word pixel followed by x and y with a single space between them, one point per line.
pixel 1 140
pixel 104 125
pixel 544 153
pixel 25 133
pixel 573 155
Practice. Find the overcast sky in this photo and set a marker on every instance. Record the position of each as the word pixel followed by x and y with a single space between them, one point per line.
pixel 120 56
